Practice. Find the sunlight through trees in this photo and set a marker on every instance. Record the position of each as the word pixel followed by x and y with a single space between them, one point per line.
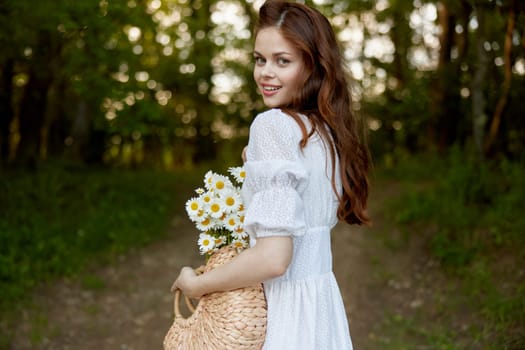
pixel 171 80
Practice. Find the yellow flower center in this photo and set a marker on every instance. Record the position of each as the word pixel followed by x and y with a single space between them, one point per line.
pixel 230 201
pixel 194 206
pixel 215 208
pixel 219 185
pixel 205 222
pixel 242 174
pixel 231 222
pixel 206 242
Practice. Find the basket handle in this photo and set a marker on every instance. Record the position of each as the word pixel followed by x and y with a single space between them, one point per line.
pixel 187 300
pixel 176 304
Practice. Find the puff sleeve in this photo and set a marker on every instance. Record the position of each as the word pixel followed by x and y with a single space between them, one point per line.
pixel 275 177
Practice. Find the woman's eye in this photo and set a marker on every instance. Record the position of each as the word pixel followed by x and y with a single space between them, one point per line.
pixel 283 61
pixel 259 61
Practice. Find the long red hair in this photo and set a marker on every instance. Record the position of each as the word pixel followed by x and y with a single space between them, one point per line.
pixel 325 99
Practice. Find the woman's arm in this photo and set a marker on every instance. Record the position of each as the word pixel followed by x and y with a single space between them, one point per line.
pixel 269 258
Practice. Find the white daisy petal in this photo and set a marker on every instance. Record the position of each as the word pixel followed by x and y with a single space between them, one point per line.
pixel 206 198
pixel 216 208
pixel 232 200
pixel 204 224
pixel 199 190
pixel 238 173
pixel 220 183
pixel 220 241
pixel 206 243
pixel 239 243
pixel 208 179
pixel 193 206
pixel 239 233
pixel 231 222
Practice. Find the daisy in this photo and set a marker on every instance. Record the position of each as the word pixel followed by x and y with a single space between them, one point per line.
pixel 239 234
pixel 220 241
pixel 199 190
pixel 231 222
pixel 239 244
pixel 193 206
pixel 206 243
pixel 238 173
pixel 204 224
pixel 218 211
pixel 208 179
pixel 216 208
pixel 206 198
pixel 232 201
pixel 219 183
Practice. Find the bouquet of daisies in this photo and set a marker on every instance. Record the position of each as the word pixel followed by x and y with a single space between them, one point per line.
pixel 218 212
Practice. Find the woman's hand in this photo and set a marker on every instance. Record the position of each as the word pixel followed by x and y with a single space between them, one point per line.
pixel 187 283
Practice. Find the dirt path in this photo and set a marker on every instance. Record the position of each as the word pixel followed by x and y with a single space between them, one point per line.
pixel 125 306
pixel 128 305
pixel 384 278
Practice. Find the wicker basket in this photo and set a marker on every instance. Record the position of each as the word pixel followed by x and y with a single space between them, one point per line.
pixel 223 320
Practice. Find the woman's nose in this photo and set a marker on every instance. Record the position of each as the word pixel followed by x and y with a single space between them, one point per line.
pixel 267 71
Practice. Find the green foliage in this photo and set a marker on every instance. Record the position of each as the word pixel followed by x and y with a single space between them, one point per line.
pixel 185 77
pixel 470 214
pixel 475 206
pixel 58 221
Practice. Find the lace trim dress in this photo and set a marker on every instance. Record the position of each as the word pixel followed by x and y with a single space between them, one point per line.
pixel 288 191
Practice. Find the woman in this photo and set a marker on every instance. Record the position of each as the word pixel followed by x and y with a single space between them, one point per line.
pixel 306 167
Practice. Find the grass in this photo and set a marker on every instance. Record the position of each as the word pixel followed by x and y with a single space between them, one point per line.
pixel 470 214
pixel 437 338
pixel 60 220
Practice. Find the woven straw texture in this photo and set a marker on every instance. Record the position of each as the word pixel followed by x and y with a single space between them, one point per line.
pixel 223 320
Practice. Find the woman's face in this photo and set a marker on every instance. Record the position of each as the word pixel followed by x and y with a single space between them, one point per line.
pixel 279 68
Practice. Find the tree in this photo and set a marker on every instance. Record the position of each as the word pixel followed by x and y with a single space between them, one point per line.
pixel 507 81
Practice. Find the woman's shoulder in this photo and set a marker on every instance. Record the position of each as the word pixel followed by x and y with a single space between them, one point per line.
pixel 275 131
pixel 273 135
pixel 275 119
pixel 273 115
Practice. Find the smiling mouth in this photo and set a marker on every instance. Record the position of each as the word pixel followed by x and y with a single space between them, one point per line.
pixel 271 88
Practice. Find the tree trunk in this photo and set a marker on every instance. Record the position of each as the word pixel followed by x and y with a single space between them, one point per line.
pixel 505 88
pixel 33 105
pixel 204 143
pixel 6 108
pixel 58 128
pixel 445 92
pixel 398 34
pixel 80 132
pixel 32 113
pixel 479 118
pixel 463 39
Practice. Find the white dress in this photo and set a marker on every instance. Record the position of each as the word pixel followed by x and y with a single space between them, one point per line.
pixel 288 191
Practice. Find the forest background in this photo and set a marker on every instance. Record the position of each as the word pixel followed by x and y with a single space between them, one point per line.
pixel 106 105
